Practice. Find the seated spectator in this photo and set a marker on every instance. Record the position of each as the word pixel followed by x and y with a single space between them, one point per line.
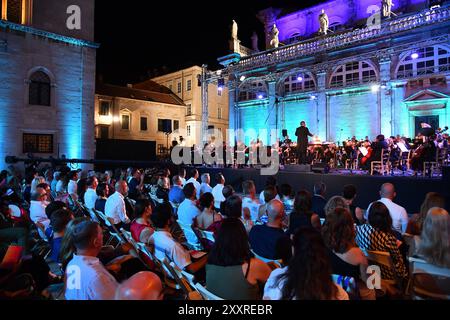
pixel 48 192
pixel 115 208
pixel 188 211
pixel 305 278
pixel 9 232
pixel 54 206
pixel 349 194
pixel 434 245
pixel 302 215
pixel 227 192
pixel 346 258
pixel 56 178
pixel 36 181
pixel 90 196
pixel 72 186
pixel 61 185
pixel 250 204
pixel 398 214
pixel 135 184
pixel 59 221
pixel 287 198
pixel 379 236
pixel 217 191
pixel 37 211
pixel 166 246
pixel 193 180
pixel 208 218
pixel 318 200
pixel 95 282
pixel 232 272
pixel 270 192
pixel 269 240
pixel 205 187
pixel 144 285
pixel 141 228
pixel 334 203
pixel 176 195
pixel 182 174
pixel 432 199
pixel 162 193
pixel 102 195
pixel 270 182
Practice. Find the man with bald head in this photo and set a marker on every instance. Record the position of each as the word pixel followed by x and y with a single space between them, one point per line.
pixel 398 213
pixel 144 285
pixel 270 241
pixel 115 206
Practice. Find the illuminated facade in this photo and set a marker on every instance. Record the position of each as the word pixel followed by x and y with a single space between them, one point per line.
pixel 185 84
pixel 47 79
pixel 368 75
pixel 128 113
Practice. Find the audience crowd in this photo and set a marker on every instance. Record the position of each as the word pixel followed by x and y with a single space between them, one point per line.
pixel 131 235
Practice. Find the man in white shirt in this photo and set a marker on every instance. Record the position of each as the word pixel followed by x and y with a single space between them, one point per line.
pixel 271 181
pixel 250 204
pixel 182 174
pixel 217 191
pixel 37 211
pixel 90 196
pixel 398 213
pixel 115 205
pixel 205 187
pixel 72 186
pixel 193 180
pixel 86 277
pixel 188 211
pixel 166 246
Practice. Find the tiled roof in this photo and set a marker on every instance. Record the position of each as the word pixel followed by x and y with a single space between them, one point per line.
pixel 164 95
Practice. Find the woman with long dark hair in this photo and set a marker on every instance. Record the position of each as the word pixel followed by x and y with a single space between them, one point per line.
pixel 432 200
pixel 302 215
pixel 308 275
pixel 232 272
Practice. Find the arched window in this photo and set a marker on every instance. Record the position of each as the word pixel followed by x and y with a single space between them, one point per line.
pixel 16 11
pixel 424 61
pixel 353 73
pixel 335 26
pixel 252 91
pixel 299 83
pixel 295 37
pixel 40 89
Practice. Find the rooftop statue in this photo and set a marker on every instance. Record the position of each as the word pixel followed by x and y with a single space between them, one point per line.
pixel 324 22
pixel 387 8
pixel 274 42
pixel 234 31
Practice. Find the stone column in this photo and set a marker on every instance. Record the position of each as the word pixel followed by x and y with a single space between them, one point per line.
pixel 231 112
pixel 322 114
pixel 272 111
pixel 384 98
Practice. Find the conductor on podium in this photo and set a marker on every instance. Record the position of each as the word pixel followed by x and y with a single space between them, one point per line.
pixel 302 134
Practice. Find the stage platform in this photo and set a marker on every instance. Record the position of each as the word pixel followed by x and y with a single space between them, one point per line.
pixel 410 190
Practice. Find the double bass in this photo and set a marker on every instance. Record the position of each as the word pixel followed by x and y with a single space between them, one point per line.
pixel 367 156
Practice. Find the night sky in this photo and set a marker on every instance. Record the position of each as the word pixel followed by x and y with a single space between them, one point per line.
pixel 140 39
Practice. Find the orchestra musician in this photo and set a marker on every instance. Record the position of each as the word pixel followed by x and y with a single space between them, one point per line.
pixel 302 134
pixel 374 152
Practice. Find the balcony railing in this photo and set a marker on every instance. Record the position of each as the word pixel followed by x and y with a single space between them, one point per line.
pixel 315 45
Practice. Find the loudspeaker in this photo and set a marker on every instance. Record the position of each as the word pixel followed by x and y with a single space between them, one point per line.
pixel 298 168
pixel 167 125
pixel 320 168
pixel 285 133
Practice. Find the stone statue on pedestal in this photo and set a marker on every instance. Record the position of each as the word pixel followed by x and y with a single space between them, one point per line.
pixel 387 8
pixel 274 42
pixel 324 23
pixel 234 31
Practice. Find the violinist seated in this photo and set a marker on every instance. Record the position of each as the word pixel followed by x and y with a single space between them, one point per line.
pixel 374 152
pixel 426 152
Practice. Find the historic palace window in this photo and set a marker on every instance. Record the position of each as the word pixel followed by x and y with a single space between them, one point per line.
pixel 16 11
pixel 353 73
pixel 299 83
pixel 424 61
pixel 104 108
pixel 37 143
pixel 126 119
pixel 40 89
pixel 144 124
pixel 252 91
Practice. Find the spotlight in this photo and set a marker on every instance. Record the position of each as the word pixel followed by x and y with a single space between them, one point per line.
pixel 242 78
pixel 260 96
pixel 312 97
pixel 299 78
pixel 375 88
pixel 220 89
pixel 414 55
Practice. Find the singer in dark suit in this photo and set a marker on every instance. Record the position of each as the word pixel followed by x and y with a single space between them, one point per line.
pixel 302 134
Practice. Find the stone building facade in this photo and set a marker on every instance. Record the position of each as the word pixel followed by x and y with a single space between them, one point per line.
pixel 47 79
